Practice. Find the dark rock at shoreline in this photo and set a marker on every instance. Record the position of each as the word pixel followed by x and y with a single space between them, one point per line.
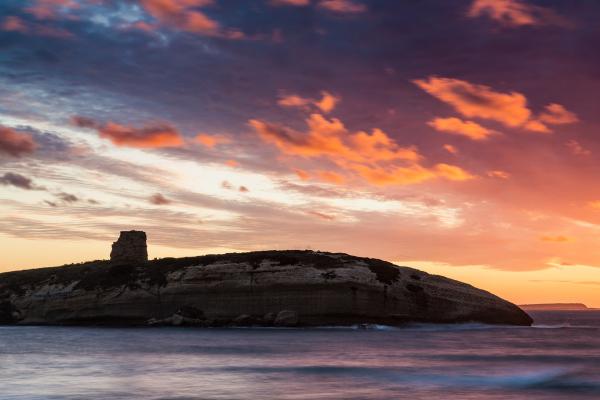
pixel 283 288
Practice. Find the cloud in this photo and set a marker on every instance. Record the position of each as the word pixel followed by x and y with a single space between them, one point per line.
pixel 330 138
pixel 375 157
pixel 67 197
pixel 15 143
pixel 297 3
pixel 150 136
pixel 226 185
pixel 326 104
pixel 450 149
pixel 577 149
pixel 331 177
pixel 185 16
pixel 555 239
pixel 17 180
pixel 50 9
pixel 498 174
pixel 211 141
pixel 457 126
pixel 243 189
pixel 557 114
pixel 16 24
pixel 321 215
pixel 342 6
pixel 159 200
pixel 515 13
pixel 480 101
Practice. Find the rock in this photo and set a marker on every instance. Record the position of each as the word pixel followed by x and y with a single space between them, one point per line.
pixel 286 318
pixel 177 320
pixel 269 318
pixel 244 320
pixel 8 313
pixel 130 247
pixel 361 291
pixel 190 312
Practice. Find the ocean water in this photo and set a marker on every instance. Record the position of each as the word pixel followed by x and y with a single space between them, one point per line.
pixel 558 358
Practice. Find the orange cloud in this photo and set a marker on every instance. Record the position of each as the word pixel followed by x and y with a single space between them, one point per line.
pixel 151 136
pixel 342 6
pixel 211 141
pixel 184 15
pixel 302 174
pixel 480 101
pixel 457 126
pixel 514 13
pixel 232 163
pixel 330 138
pixel 452 172
pixel 15 143
pixel 595 204
pixel 556 114
pixel 294 101
pixel 375 157
pixel 555 239
pixel 331 177
pixel 326 104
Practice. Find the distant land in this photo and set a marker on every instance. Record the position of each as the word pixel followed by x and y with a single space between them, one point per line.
pixel 555 306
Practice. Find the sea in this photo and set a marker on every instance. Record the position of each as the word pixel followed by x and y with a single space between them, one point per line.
pixel 557 358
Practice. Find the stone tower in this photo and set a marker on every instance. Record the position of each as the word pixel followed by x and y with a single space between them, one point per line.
pixel 130 247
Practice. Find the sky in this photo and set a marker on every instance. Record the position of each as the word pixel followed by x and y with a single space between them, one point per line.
pixel 459 137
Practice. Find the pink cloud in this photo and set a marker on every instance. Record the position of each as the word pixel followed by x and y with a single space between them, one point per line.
pixel 343 6
pixel 515 13
pixel 211 141
pixel 14 143
pixel 185 16
pixel 16 24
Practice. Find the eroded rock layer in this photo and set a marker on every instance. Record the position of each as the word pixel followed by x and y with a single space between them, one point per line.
pixel 301 288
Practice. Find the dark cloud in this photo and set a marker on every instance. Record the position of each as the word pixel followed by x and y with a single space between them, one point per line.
pixel 67 197
pixel 17 180
pixel 159 200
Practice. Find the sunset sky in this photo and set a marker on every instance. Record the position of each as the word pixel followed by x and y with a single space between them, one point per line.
pixel 459 137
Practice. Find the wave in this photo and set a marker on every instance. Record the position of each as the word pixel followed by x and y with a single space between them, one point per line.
pixel 564 326
pixel 556 379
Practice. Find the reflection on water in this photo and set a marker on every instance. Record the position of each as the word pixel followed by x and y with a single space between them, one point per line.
pixel 556 359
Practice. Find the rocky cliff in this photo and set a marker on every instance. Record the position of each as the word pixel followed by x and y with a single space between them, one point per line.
pixel 302 288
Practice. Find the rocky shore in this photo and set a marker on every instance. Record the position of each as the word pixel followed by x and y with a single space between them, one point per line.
pixel 269 288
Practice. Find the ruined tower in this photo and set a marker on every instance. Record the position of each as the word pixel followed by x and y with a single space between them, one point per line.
pixel 130 247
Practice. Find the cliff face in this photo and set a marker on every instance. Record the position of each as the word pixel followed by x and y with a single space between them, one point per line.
pixel 246 289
